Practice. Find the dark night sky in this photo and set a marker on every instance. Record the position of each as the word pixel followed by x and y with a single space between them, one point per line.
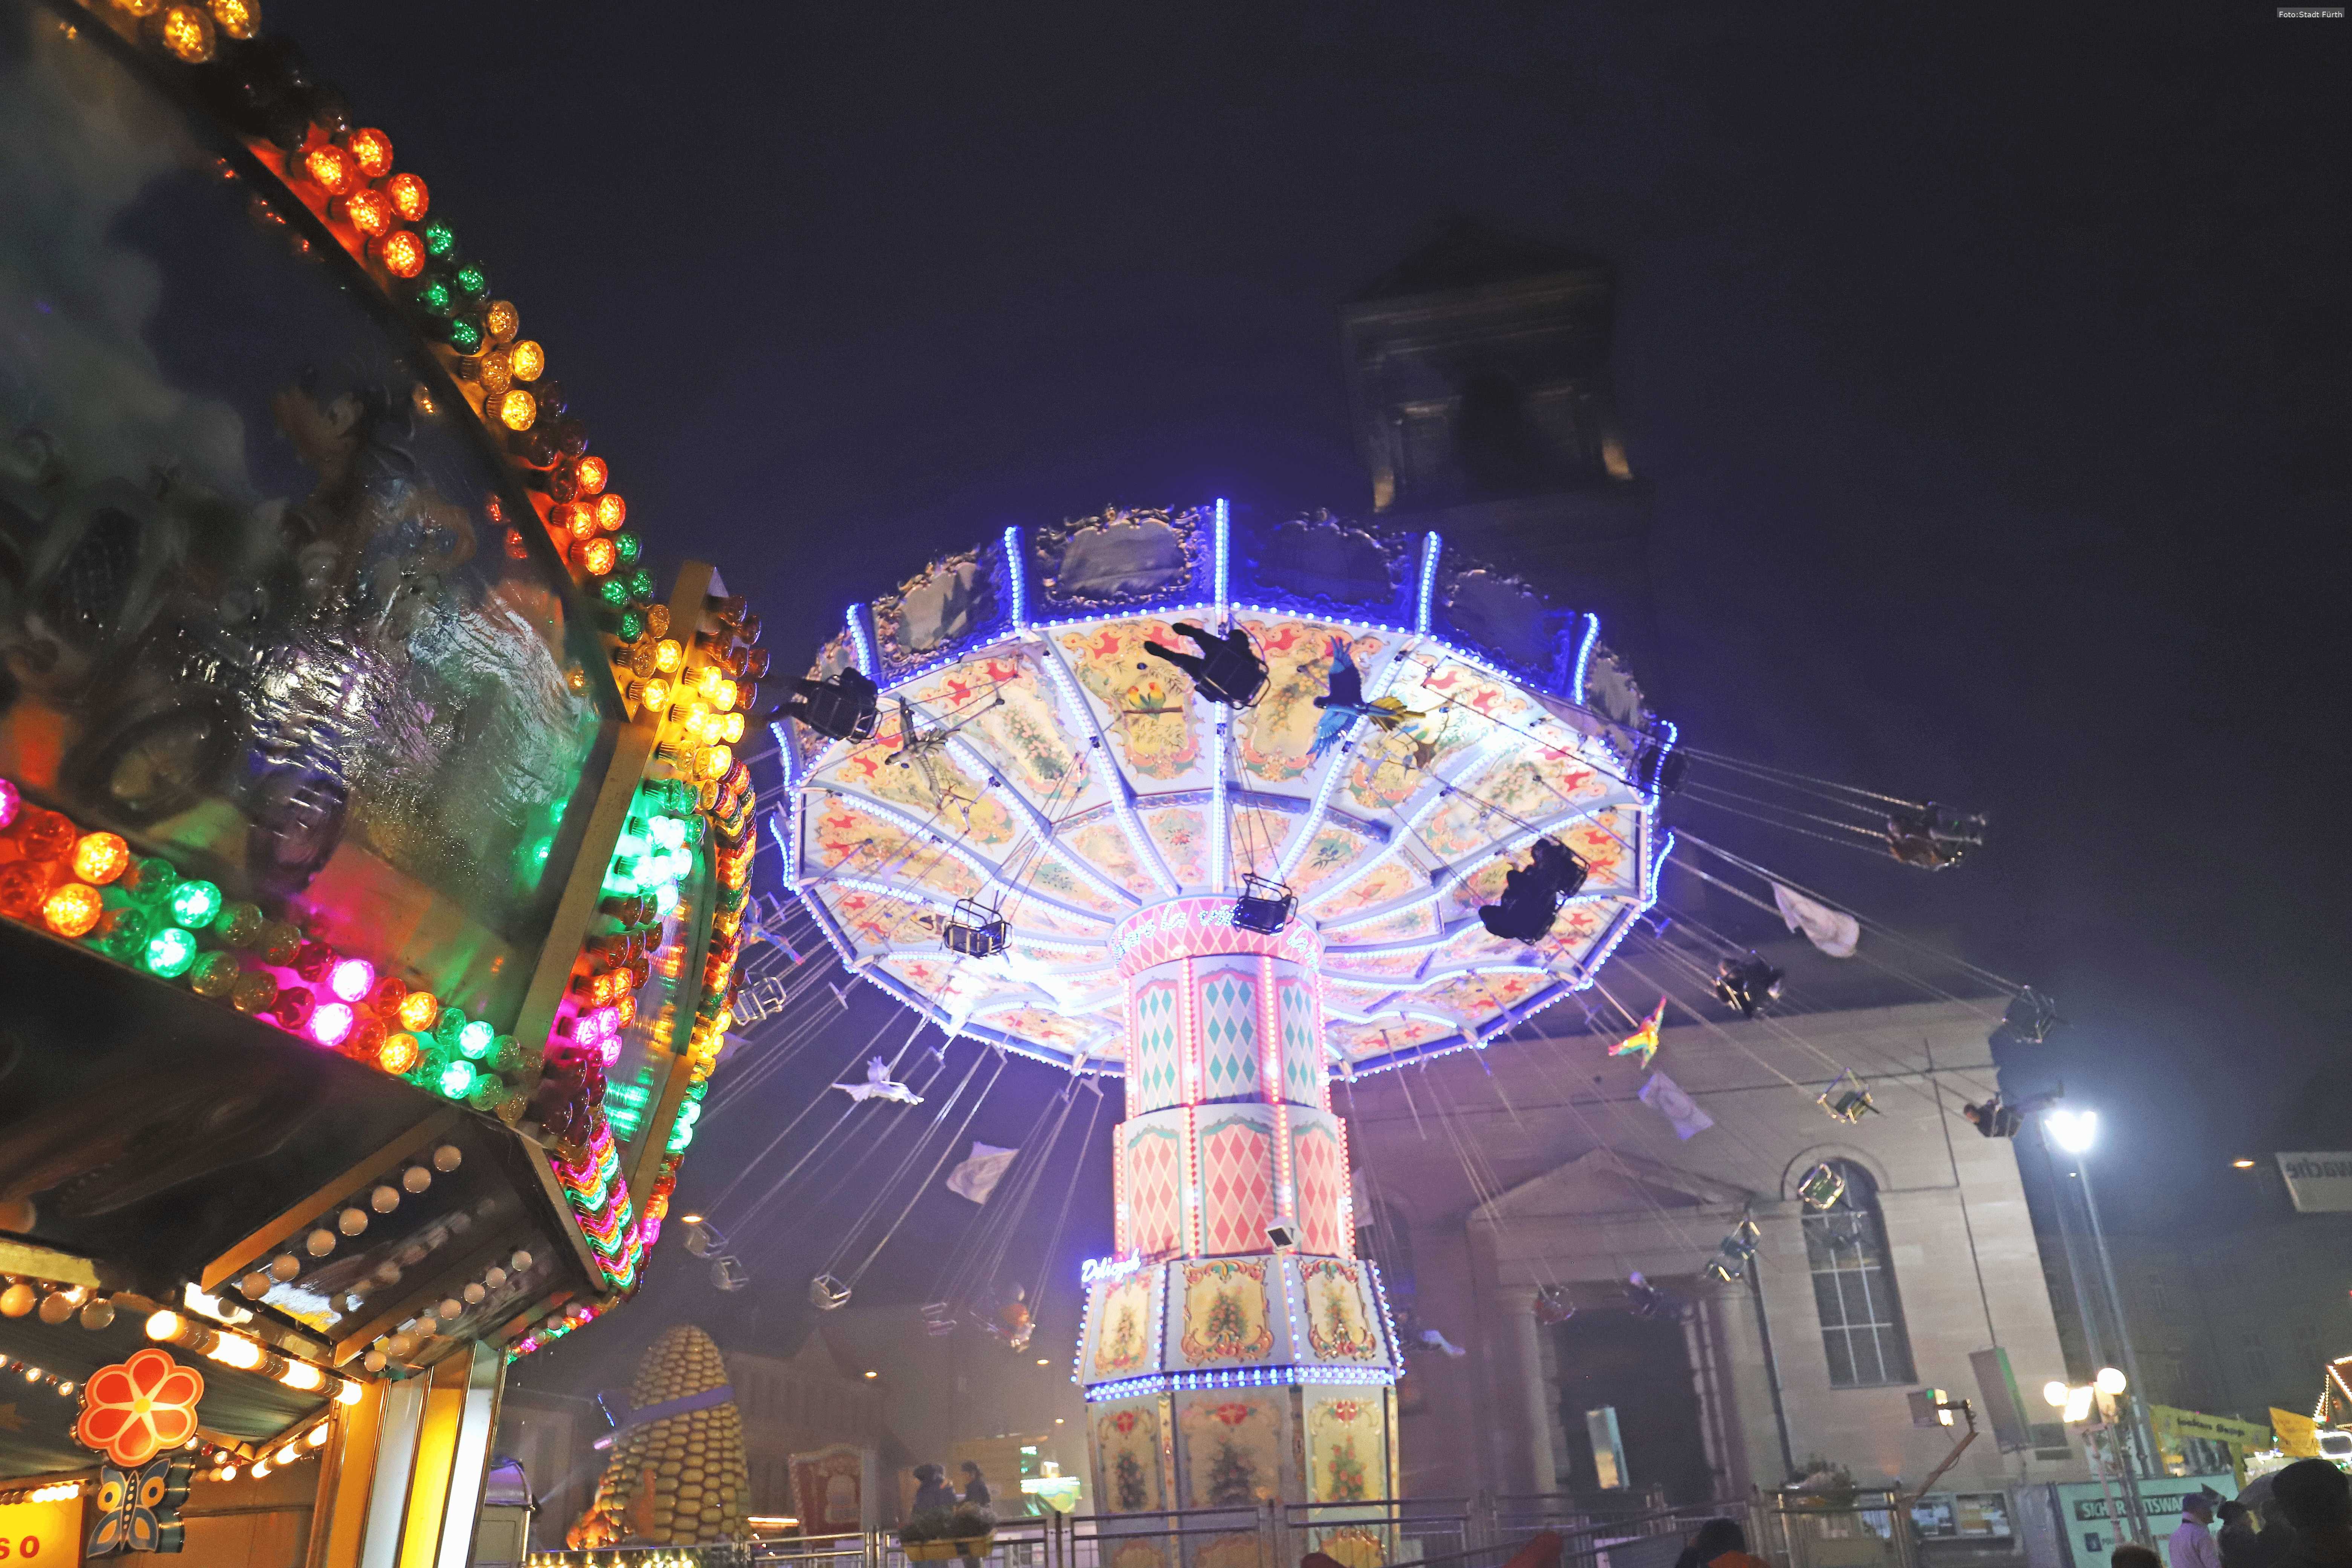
pixel 1989 363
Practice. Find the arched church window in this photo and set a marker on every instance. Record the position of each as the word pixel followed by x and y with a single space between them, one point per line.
pixel 1853 1287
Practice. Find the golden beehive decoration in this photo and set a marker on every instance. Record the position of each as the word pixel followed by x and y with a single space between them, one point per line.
pixel 678 1482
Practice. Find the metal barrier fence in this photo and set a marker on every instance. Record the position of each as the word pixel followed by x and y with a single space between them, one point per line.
pixel 1604 1530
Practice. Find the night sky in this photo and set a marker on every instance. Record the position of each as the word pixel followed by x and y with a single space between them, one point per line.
pixel 1989 363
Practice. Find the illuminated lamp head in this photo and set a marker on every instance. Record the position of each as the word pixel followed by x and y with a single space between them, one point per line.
pixel 371 212
pixel 241 20
pixel 399 1053
pixel 503 321
pixel 72 909
pixel 597 557
pixel 10 802
pixel 403 257
pixel 611 512
pixel 517 409
pixel 591 475
pixel 418 1010
pixel 476 1037
pixel 371 148
pixel 526 358
pixel 170 952
pixel 195 904
pixel 330 168
pixel 100 858
pixel 409 196
pixel 352 979
pixel 456 1079
pixel 187 32
pixel 331 1023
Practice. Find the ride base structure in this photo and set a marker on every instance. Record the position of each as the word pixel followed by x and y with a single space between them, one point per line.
pixel 1054 842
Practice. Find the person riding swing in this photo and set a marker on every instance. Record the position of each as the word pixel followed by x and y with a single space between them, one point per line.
pixel 1227 669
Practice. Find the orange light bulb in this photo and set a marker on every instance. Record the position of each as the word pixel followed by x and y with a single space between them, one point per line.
pixel 418 1009
pixel 592 474
pixel 240 19
pixel 100 858
pixel 368 147
pixel 403 253
pixel 517 409
pixel 579 521
pixel 399 1053
pixel 188 33
pixel 713 761
pixel 409 196
pixel 333 170
pixel 598 557
pixel 371 212
pixel 72 909
pixel 527 359
pixel 502 322
pixel 611 512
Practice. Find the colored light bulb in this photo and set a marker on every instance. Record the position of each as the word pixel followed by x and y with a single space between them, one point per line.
pixel 579 521
pixel 439 238
pixel 369 148
pixel 669 656
pixel 418 1009
pixel 711 761
pixel 476 1038
pixel 591 474
pixel 457 1079
pixel 100 858
pixel 72 909
pixel 195 904
pixel 371 212
pixel 654 693
pixel 627 548
pixel 331 1023
pixel 470 281
pixel 409 197
pixel 723 694
pixel 10 801
pixel 517 409
pixel 631 625
pixel 188 34
pixel 45 835
pixel 215 975
pixel 152 878
pixel 170 952
pixel 526 358
pixel 611 512
pixel 399 1053
pixel 492 372
pixel 333 170
pixel 503 322
pixel 614 592
pixel 597 557
pixel 352 979
pixel 464 334
pixel 403 255
pixel 729 726
pixel 433 296
pixel 253 991
pixel 240 19
pixel 239 924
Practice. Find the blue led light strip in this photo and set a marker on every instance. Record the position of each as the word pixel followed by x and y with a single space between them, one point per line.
pixel 1239 1377
pixel 854 617
pixel 1583 655
pixel 1016 568
pixel 1432 546
pixel 1222 556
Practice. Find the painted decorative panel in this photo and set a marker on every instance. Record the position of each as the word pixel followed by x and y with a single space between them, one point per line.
pixel 1236 1179
pixel 1152 1079
pixel 1321 1173
pixel 1126 1460
pixel 1224 1312
pixel 1304 1081
pixel 1124 1334
pixel 1232 1444
pixel 1347 1445
pixel 1153 1155
pixel 1340 1313
pixel 1227 1006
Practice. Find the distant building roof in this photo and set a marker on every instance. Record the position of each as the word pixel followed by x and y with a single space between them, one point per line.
pixel 1467 254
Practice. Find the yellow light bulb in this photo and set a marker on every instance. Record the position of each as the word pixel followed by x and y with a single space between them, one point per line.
pixel 496 375
pixel 501 320
pixel 239 18
pixel 188 34
pixel 301 1375
pixel 731 727
pixel 528 359
pixel 669 656
pixel 517 409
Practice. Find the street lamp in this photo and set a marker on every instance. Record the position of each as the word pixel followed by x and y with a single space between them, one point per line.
pixel 2075 1130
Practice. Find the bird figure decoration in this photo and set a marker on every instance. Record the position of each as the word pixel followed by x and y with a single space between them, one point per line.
pixel 1344 704
pixel 878 1085
pixel 1643 1041
pixel 1434 1339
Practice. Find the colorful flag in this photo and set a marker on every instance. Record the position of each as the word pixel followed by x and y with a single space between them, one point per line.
pixel 1643 1041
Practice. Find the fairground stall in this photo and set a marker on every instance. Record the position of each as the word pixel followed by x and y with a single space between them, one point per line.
pixel 373 845
pixel 1225 807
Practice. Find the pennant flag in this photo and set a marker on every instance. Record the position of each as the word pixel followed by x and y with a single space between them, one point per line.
pixel 1665 1096
pixel 977 1176
pixel 1833 931
pixel 1643 1041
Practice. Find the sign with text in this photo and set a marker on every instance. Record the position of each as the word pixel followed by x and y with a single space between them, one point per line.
pixel 2087 1511
pixel 44 1534
pixel 2319 1184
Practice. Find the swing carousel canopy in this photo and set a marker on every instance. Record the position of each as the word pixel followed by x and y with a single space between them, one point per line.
pixel 1035 760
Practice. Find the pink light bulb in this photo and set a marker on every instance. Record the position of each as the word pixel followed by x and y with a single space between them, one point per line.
pixel 9 802
pixel 352 979
pixel 331 1023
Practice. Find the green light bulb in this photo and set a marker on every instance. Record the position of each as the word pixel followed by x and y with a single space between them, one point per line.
pixel 195 904
pixel 440 239
pixel 464 334
pixel 631 625
pixel 625 547
pixel 476 1038
pixel 614 592
pixel 641 585
pixel 458 1079
pixel 434 298
pixel 472 281
pixel 170 952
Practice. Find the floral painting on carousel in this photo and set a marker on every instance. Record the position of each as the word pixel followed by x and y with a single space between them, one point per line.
pixel 1226 1312
pixel 1127 1456
pixel 1339 1315
pixel 1150 699
pixel 1347 1446
pixel 1232 1446
pixel 1126 1327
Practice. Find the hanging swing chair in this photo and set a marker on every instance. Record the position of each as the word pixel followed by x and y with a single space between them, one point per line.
pixel 827 1294
pixel 1532 898
pixel 728 1273
pixel 1821 1188
pixel 1552 1306
pixel 1845 1099
pixel 1746 983
pixel 976 931
pixel 2028 1020
pixel 1228 670
pixel 1658 768
pixel 841 709
pixel 1264 905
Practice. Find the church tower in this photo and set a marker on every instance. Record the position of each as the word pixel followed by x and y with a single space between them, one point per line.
pixel 1479 379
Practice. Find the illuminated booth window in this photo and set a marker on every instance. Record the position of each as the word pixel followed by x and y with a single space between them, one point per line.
pixel 1853 1287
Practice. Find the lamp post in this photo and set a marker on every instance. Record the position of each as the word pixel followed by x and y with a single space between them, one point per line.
pixel 2108 1437
pixel 2076 1132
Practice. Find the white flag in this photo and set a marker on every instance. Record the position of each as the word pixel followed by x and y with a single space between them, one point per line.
pixel 1665 1096
pixel 1833 932
pixel 977 1176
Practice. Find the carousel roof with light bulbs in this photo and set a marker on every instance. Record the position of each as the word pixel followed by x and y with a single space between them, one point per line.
pixel 1061 777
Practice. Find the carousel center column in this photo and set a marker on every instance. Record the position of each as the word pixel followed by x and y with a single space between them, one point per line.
pixel 1235 1349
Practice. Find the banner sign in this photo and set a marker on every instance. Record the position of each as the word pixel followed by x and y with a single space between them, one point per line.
pixel 2319 1184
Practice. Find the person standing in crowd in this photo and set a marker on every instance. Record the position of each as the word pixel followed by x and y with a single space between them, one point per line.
pixel 2236 1534
pixel 975 1495
pixel 2192 1544
pixel 1719 1543
pixel 2318 1501
pixel 2276 1536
